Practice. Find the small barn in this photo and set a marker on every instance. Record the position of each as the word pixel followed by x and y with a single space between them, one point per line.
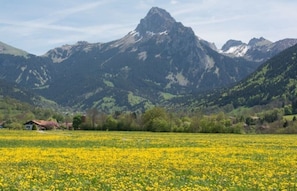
pixel 41 125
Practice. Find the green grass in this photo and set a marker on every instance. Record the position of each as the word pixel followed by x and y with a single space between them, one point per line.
pixel 289 117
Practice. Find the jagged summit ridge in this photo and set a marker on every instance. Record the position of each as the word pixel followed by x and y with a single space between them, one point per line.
pixel 231 43
pixel 157 20
pixel 160 28
pixel 259 42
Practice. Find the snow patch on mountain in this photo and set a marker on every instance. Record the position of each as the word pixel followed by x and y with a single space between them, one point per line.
pixel 127 41
pixel 150 33
pixel 238 51
pixel 142 56
pixel 209 62
pixel 134 33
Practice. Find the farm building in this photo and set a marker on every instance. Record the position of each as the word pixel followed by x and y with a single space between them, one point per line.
pixel 40 125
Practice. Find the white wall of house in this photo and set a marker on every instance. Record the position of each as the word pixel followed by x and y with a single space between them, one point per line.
pixel 29 126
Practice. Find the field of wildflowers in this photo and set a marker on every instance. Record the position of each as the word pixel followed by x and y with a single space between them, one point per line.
pixel 76 160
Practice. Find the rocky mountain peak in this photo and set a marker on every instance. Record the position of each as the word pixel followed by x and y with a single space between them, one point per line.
pixel 7 49
pixel 157 20
pixel 231 43
pixel 259 42
pixel 285 43
pixel 62 53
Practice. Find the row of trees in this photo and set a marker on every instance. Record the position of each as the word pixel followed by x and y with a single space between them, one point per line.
pixel 158 119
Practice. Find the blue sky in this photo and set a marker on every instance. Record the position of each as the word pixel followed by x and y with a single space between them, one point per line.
pixel 38 26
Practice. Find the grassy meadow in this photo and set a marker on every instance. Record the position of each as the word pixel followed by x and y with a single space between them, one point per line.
pixel 87 160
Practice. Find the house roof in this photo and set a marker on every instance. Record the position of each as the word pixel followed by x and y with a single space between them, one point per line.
pixel 43 123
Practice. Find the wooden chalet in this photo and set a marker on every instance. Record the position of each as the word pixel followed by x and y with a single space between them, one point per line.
pixel 41 125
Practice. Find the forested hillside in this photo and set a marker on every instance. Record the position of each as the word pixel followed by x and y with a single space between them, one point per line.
pixel 273 81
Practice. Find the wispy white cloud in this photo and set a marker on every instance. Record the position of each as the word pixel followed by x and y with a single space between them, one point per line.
pixel 174 2
pixel 79 8
pixel 47 22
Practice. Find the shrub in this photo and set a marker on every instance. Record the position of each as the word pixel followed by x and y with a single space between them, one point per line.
pixel 14 126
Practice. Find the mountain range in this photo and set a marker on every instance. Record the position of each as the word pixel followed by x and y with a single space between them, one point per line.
pixel 258 49
pixel 160 60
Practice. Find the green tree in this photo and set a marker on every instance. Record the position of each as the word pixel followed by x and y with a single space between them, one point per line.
pixel 126 121
pixel 205 125
pixel 93 115
pixel 77 121
pixel 288 110
pixel 156 119
pixel 161 125
pixel 194 126
pixel 294 106
pixel 58 117
pixel 110 123
pixel 271 116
